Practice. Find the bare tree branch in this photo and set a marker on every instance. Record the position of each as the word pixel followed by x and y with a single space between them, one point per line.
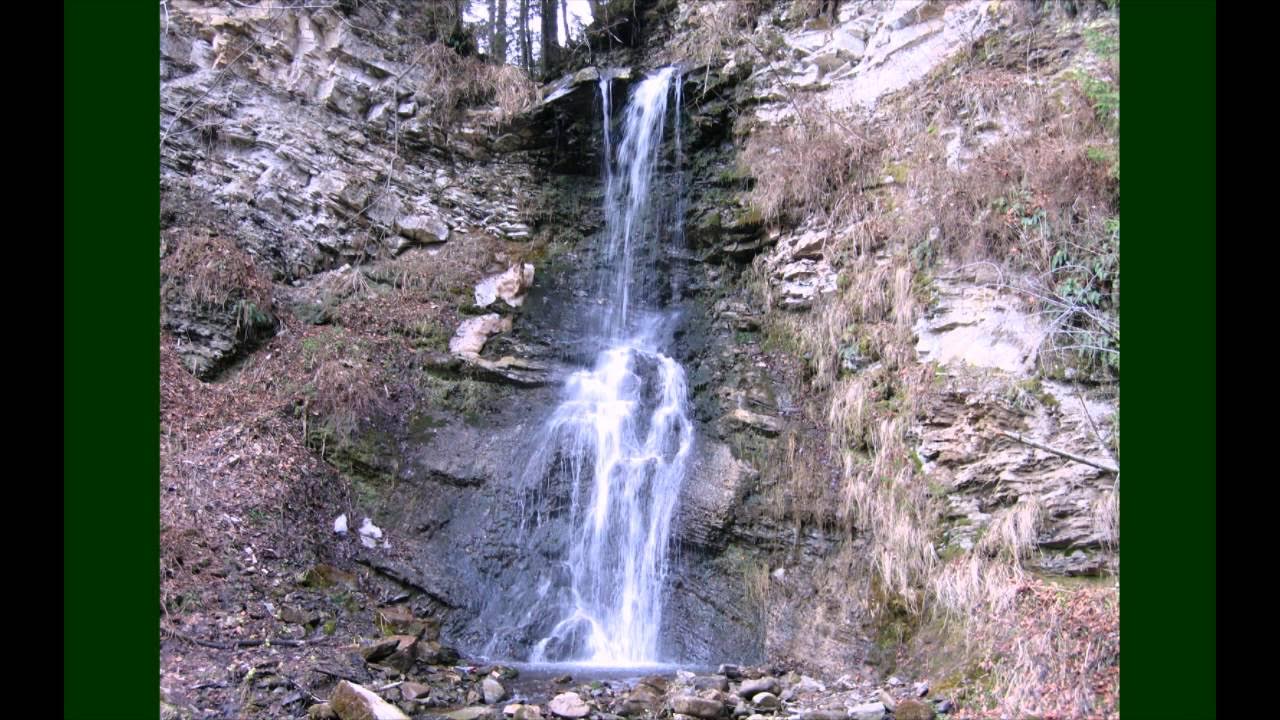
pixel 1062 453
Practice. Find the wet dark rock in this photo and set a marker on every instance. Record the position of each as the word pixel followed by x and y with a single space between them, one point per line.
pixel 212 338
pixel 697 707
pixel 436 654
pixel 380 649
pixel 705 682
pixel 733 672
pixel 397 652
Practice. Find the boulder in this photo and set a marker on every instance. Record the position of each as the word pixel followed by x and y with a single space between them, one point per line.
pixel 426 228
pixel 568 705
pixel 397 652
pixel 708 682
pixel 473 333
pixel 355 702
pixel 509 286
pixel 493 691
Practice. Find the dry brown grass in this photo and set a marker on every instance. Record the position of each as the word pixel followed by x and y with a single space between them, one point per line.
pixel 453 82
pixel 1022 201
pixel 1012 534
pixel 346 393
pixel 209 269
pixel 1106 516
pixel 872 488
pixel 812 167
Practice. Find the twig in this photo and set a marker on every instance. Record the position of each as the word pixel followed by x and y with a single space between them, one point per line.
pixel 236 644
pixel 1089 416
pixel 214 83
pixel 203 95
pixel 1070 456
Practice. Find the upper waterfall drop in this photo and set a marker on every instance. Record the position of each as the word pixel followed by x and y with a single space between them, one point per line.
pixel 630 224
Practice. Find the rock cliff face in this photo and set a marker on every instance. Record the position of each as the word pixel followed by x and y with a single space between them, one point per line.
pixel 314 142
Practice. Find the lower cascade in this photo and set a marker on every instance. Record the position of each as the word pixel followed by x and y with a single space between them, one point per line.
pixel 623 438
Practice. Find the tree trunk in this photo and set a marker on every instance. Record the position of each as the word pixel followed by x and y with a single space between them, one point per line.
pixel 564 21
pixel 828 10
pixel 493 27
pixel 597 11
pixel 500 34
pixel 550 54
pixel 526 53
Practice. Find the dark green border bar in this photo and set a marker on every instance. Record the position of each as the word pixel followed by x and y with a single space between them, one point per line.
pixel 111 359
pixel 1168 516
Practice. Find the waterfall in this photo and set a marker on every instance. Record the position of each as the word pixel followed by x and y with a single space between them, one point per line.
pixel 621 437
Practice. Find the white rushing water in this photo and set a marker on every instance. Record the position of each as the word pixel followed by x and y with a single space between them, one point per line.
pixel 621 437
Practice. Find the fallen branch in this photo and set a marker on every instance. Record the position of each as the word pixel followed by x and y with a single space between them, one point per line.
pixel 1061 453
pixel 233 645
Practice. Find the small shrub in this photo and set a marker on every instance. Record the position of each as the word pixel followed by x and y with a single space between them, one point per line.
pixel 343 390
pixel 213 272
